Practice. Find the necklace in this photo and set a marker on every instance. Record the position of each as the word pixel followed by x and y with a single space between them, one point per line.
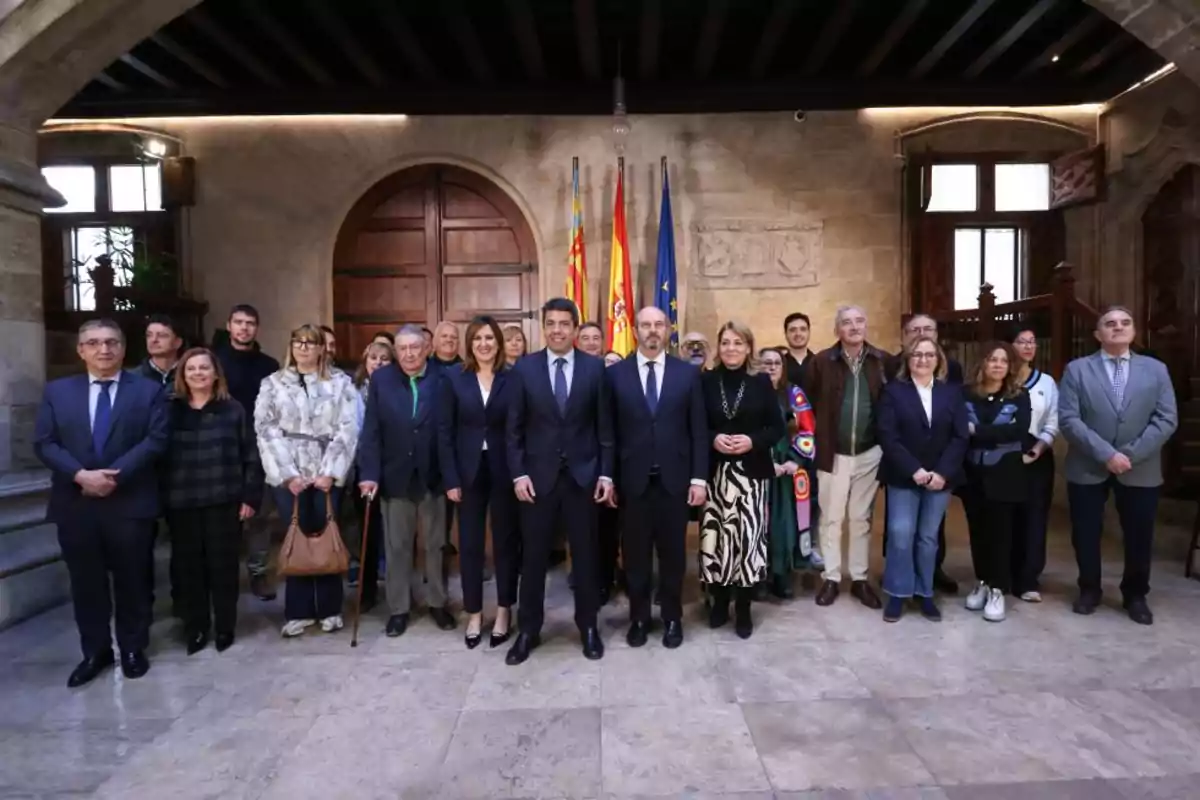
pixel 737 401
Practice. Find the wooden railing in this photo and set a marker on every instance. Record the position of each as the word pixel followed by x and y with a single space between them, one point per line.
pixel 1062 322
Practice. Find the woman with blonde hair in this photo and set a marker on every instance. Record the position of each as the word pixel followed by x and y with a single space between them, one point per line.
pixel 746 421
pixel 306 419
pixel 515 345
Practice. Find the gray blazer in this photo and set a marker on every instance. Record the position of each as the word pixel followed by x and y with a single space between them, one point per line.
pixel 1096 429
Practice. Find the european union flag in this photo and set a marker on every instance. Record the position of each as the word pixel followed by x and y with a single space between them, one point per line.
pixel 665 296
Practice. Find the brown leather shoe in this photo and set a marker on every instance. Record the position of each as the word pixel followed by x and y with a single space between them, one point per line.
pixel 829 593
pixel 865 594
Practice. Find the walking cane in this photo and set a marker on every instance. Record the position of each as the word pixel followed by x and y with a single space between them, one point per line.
pixel 362 561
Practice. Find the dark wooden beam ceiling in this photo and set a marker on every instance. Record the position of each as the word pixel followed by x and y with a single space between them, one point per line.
pixel 525 31
pixel 772 35
pixel 236 50
pixel 1072 37
pixel 333 24
pixel 895 32
pixel 951 37
pixel 150 72
pixel 286 42
pixel 710 37
pixel 404 37
pixel 186 56
pixel 648 40
pixel 1001 45
pixel 1114 47
pixel 104 78
pixel 587 33
pixel 830 35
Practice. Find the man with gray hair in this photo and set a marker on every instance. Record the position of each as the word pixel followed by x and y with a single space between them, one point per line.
pixel 1116 409
pixel 844 383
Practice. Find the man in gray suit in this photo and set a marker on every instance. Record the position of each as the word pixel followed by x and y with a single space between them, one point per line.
pixel 1116 410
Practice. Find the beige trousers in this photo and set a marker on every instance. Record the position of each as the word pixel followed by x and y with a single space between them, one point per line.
pixel 848 494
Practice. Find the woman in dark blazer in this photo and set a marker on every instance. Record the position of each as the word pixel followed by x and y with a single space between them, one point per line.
pixel 922 428
pixel 472 452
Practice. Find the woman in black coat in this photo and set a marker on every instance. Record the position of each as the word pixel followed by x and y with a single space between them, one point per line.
pixel 472 458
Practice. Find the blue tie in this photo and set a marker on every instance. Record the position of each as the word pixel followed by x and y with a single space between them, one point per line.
pixel 560 385
pixel 651 388
pixel 102 421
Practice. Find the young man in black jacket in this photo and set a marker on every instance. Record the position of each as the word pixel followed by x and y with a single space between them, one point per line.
pixel 163 346
pixel 245 365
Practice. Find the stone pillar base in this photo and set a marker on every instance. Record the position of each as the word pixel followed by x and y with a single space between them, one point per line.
pixel 33 576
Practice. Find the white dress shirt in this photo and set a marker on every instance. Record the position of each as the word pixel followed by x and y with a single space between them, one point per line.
pixel 94 394
pixel 568 368
pixel 1110 364
pixel 485 392
pixel 926 395
pixel 660 366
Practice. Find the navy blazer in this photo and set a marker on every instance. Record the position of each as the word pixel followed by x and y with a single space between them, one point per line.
pixel 394 445
pixel 137 439
pixel 541 440
pixel 910 441
pixel 465 423
pixel 674 438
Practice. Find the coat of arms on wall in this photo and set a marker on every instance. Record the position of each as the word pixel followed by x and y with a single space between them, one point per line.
pixel 755 255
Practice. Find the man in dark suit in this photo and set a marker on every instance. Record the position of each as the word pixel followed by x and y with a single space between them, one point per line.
pixel 100 435
pixel 662 446
pixel 560 454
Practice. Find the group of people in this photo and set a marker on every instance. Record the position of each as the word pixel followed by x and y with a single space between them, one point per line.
pixel 774 451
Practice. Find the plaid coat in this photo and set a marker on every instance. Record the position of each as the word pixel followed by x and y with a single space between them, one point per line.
pixel 211 458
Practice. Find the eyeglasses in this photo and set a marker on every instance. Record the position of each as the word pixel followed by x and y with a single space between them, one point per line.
pixel 924 330
pixel 1025 342
pixel 923 356
pixel 304 344
pixel 96 344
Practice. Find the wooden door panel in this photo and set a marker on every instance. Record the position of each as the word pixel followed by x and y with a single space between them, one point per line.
pixel 483 294
pixel 387 294
pixel 474 246
pixel 461 202
pixel 380 249
pixel 407 203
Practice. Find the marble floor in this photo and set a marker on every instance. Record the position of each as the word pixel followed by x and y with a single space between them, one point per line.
pixel 820 703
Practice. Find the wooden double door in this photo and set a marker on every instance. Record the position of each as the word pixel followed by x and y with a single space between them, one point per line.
pixel 429 244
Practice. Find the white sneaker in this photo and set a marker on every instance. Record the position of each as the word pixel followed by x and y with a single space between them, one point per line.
pixel 296 627
pixel 977 599
pixel 331 624
pixel 1032 597
pixel 994 610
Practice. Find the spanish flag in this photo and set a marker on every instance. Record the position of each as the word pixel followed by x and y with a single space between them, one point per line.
pixel 620 291
pixel 577 257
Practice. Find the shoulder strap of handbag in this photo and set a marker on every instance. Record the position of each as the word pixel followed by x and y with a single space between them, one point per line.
pixel 328 506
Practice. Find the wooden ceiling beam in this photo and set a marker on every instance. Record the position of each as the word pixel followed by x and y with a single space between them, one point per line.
pixel 186 56
pixel 1010 37
pixel 772 35
pixel 587 32
pixel 1115 46
pixel 525 30
pixel 200 19
pixel 831 33
pixel 354 50
pixel 710 37
pixel 895 32
pixel 286 42
pixel 464 33
pixel 102 77
pixel 648 41
pixel 404 37
pixel 950 38
pixel 150 72
pixel 1072 37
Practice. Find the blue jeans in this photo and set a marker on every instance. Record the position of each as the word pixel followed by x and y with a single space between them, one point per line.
pixel 913 517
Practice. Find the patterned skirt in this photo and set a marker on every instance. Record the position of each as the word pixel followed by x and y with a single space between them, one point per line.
pixel 733 528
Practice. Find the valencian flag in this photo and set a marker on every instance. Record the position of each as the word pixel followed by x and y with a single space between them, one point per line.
pixel 620 292
pixel 665 296
pixel 577 256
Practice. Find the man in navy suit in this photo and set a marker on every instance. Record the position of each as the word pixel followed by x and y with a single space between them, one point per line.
pixel 100 434
pixel 560 454
pixel 662 447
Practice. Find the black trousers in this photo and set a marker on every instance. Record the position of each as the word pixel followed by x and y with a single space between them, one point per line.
pixel 991 525
pixel 319 596
pixel 655 521
pixel 97 546
pixel 368 570
pixel 484 493
pixel 609 542
pixel 1030 525
pixel 205 543
pixel 572 508
pixel 1136 507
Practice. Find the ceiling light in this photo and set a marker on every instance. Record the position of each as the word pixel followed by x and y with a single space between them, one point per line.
pixel 1054 59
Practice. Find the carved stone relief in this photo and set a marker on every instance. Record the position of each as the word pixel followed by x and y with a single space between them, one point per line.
pixel 734 254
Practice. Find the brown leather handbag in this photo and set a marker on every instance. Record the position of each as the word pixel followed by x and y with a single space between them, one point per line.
pixel 321 553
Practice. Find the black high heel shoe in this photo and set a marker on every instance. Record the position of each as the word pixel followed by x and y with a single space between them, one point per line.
pixel 472 640
pixel 499 639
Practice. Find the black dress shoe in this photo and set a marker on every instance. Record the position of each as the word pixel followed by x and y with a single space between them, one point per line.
pixel 593 645
pixel 260 588
pixel 134 665
pixel 224 641
pixel 1086 603
pixel 525 644
pixel 781 587
pixel 498 639
pixel 397 624
pixel 944 583
pixel 829 593
pixel 90 668
pixel 637 634
pixel 866 595
pixel 472 640
pixel 673 635
pixel 442 618
pixel 196 642
pixel 1139 611
pixel 743 624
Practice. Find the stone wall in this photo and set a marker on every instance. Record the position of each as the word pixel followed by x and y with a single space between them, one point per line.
pixel 771 215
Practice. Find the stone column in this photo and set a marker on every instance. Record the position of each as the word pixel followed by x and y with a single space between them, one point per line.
pixel 32 575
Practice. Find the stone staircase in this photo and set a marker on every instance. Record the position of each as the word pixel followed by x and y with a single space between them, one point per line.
pixel 33 576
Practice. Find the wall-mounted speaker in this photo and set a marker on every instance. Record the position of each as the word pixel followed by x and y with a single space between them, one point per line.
pixel 178 182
